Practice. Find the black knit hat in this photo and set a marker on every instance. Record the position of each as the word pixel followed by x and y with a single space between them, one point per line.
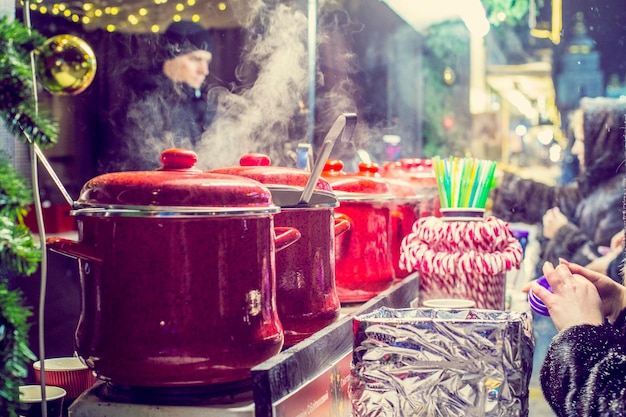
pixel 185 36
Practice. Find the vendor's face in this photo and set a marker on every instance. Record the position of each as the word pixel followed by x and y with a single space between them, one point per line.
pixel 191 68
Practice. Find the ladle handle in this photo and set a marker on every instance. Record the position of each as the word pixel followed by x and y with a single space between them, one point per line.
pixel 344 125
pixel 57 181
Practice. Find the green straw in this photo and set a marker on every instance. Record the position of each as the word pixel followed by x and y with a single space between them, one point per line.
pixel 488 185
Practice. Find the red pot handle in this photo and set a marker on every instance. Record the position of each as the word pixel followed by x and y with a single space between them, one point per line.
pixel 73 249
pixel 342 224
pixel 344 217
pixel 285 237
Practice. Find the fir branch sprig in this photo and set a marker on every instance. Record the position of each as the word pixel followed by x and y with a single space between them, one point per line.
pixel 15 194
pixel 14 350
pixel 19 255
pixel 17 105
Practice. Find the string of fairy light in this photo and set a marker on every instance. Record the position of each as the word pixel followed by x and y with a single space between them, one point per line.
pixel 125 14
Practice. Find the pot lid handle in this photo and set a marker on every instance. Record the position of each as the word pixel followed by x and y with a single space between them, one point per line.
pixel 333 167
pixel 369 169
pixel 177 159
pixel 255 159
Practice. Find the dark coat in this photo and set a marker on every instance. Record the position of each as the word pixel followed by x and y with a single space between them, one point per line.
pixel 160 114
pixel 592 204
pixel 584 372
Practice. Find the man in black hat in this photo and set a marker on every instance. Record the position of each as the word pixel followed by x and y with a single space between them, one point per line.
pixel 168 105
pixel 188 46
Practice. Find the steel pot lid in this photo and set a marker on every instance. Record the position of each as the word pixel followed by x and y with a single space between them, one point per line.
pixel 351 187
pixel 285 184
pixel 177 187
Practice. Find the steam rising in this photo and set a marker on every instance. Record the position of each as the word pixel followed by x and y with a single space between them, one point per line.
pixel 269 114
pixel 258 119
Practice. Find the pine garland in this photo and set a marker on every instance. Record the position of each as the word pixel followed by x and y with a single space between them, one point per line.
pixel 14 351
pixel 19 255
pixel 17 107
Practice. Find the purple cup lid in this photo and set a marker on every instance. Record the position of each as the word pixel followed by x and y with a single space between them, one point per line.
pixel 535 302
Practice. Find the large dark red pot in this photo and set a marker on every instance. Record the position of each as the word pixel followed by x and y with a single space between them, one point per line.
pixel 363 262
pixel 306 294
pixel 177 269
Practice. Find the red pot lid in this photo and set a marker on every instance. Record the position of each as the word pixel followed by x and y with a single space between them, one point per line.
pixel 355 186
pixel 397 187
pixel 258 167
pixel 418 172
pixel 177 184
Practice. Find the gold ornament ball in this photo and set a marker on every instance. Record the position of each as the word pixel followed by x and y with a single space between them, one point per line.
pixel 66 65
pixel 449 77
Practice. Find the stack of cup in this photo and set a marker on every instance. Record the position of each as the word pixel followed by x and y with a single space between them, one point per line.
pixel 69 373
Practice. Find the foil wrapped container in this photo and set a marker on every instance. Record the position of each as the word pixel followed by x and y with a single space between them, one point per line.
pixel 441 362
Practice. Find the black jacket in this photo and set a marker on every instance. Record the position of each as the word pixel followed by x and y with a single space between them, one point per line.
pixel 592 204
pixel 584 372
pixel 160 114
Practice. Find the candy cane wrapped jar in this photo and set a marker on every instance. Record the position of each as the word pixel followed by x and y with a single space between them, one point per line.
pixel 463 258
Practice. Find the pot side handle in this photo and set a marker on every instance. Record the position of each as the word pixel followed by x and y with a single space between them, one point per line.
pixel 340 218
pixel 73 249
pixel 285 237
pixel 342 224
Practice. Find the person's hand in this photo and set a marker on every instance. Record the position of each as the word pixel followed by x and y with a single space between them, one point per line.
pixel 617 241
pixel 575 299
pixel 601 264
pixel 612 294
pixel 581 296
pixel 553 220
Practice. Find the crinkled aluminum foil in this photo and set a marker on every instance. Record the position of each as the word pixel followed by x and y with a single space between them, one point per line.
pixel 441 362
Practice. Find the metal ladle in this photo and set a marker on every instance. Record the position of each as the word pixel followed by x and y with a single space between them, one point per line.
pixel 344 125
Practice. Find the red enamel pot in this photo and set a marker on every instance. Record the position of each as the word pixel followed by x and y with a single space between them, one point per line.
pixel 405 209
pixel 421 175
pixel 363 263
pixel 177 269
pixel 306 293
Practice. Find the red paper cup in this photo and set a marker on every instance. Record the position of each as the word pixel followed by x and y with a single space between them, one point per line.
pixel 69 373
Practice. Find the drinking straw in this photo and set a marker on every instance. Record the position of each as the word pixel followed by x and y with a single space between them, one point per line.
pixel 488 184
pixel 477 184
pixel 482 175
pixel 473 182
pixel 446 183
pixel 466 180
pixel 454 180
pixel 439 175
pixel 463 182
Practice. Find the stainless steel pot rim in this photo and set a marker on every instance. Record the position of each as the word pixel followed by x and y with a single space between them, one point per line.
pixel 171 212
pixel 348 196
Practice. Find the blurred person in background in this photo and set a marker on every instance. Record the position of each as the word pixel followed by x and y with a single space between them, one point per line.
pixel 167 105
pixel 584 371
pixel 578 220
pixel 570 167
